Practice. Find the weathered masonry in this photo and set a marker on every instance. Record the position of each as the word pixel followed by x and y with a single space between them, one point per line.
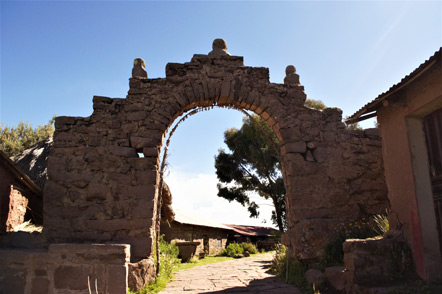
pixel 99 190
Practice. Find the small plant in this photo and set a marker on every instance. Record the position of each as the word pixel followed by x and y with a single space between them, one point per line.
pixel 249 247
pixel 193 259
pixel 359 229
pixel 168 262
pixel 333 253
pixel 232 249
pixel 296 269
pixel 381 224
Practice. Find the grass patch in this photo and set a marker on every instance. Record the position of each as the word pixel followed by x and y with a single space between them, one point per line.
pixel 206 260
pixel 169 260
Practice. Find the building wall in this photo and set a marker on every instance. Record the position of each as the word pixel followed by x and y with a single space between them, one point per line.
pixel 6 180
pixel 17 208
pixel 15 199
pixel 406 168
pixel 217 238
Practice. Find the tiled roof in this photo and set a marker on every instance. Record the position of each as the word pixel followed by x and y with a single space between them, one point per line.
pixel 252 230
pixel 377 103
pixel 192 219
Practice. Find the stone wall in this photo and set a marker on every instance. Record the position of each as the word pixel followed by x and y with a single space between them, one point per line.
pixel 99 190
pixel 377 262
pixel 65 269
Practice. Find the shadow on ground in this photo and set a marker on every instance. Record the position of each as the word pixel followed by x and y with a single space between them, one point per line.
pixel 270 285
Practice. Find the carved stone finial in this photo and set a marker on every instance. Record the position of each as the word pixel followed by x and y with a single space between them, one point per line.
pixel 291 77
pixel 219 47
pixel 138 69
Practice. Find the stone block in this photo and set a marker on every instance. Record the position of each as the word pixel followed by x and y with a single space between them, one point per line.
pixel 336 277
pixel 314 276
pixel 136 116
pixel 61 121
pixel 373 133
pixel 140 274
pixel 123 151
pixel 332 114
pixel 71 277
pixel 12 280
pixel 142 163
pixel 140 142
pixel 175 69
pixel 320 154
pixel 151 152
pixel 116 279
pixel 294 147
pixel 98 191
pixel 40 286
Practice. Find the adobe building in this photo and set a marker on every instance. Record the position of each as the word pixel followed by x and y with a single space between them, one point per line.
pixel 20 198
pixel 186 227
pixel 410 122
pixel 263 237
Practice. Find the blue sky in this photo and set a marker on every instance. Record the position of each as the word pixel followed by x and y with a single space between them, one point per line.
pixel 56 55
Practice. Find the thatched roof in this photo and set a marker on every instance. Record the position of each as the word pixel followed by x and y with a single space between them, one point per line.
pixel 33 161
pixel 19 174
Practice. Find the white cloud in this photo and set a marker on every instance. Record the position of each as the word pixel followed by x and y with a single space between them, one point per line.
pixel 197 193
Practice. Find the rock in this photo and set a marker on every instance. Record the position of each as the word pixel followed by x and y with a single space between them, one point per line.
pixel 291 78
pixel 314 276
pixel 309 156
pixel 336 277
pixel 141 273
pixel 219 47
pixel 138 69
pixel 246 254
pixel 238 256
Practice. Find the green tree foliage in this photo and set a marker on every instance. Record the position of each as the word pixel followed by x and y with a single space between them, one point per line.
pixel 315 104
pixel 252 166
pixel 15 140
pixel 354 126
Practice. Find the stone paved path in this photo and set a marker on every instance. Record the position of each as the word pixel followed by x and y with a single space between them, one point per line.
pixel 246 275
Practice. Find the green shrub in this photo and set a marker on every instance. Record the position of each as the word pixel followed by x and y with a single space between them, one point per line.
pixel 249 247
pixel 168 261
pixel 333 253
pixel 232 249
pixel 296 269
pixel 360 229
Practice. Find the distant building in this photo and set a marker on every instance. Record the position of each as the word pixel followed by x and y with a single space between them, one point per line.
pixel 410 122
pixel 262 237
pixel 192 228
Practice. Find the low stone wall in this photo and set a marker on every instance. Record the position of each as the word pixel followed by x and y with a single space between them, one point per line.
pixel 376 262
pixel 65 268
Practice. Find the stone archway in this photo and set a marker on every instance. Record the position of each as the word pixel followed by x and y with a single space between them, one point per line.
pixel 99 190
